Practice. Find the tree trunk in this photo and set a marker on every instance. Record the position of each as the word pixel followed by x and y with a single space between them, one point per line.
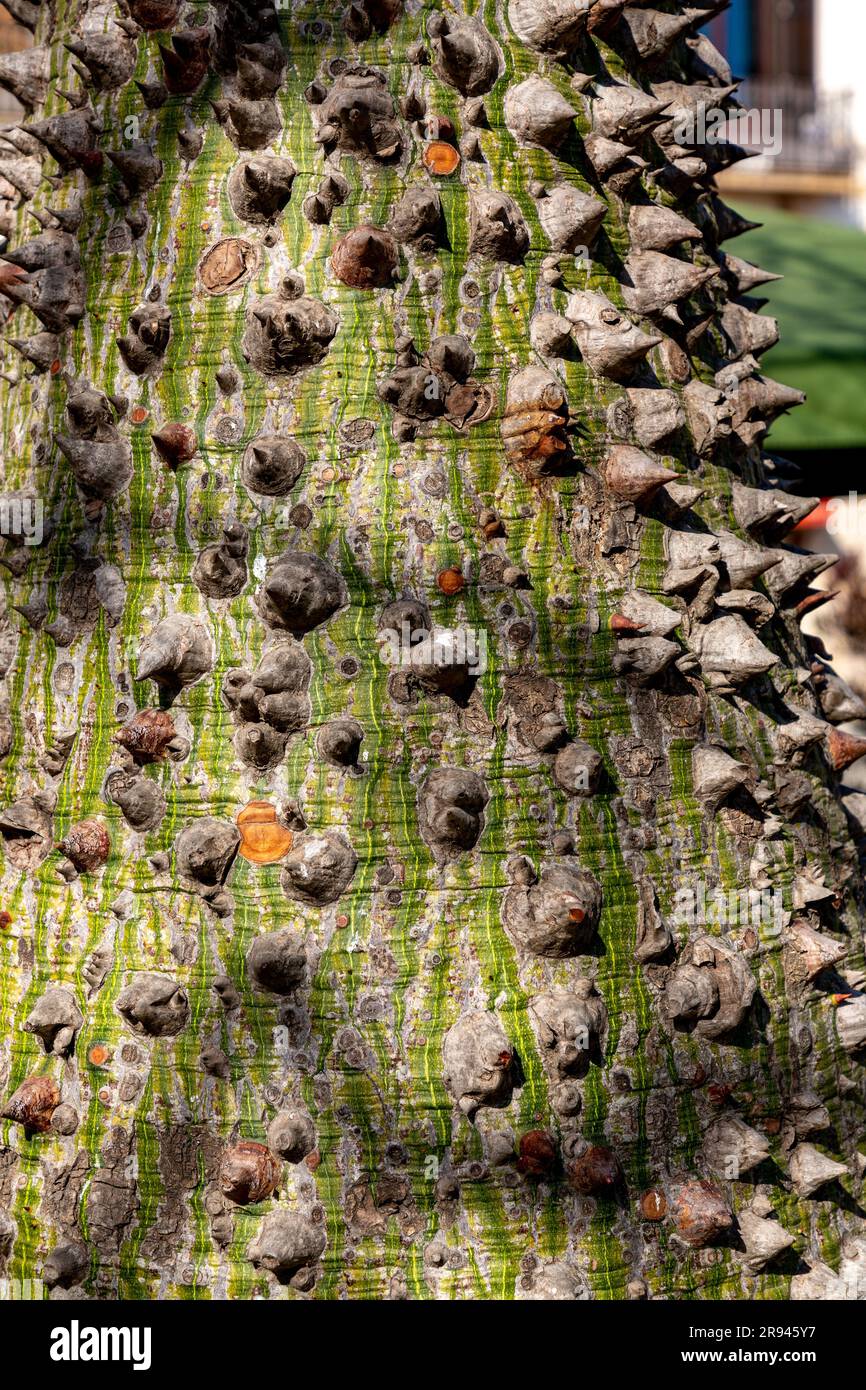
pixel 425 868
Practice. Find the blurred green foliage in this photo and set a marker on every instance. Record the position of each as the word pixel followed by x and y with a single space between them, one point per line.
pixel 821 307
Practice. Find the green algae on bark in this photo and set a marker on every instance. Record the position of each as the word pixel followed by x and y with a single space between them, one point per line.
pixel 415 1195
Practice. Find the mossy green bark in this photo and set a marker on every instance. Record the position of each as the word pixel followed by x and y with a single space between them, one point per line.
pixel 402 954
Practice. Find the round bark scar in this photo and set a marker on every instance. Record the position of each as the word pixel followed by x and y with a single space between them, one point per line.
pixel 653 1205
pixel 441 158
pixel 451 581
pixel 228 264
pixel 263 839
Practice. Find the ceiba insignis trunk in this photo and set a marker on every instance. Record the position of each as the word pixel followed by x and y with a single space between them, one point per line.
pixel 337 960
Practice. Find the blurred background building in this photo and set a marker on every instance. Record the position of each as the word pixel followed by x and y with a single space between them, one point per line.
pixel 805 59
pixel 12 38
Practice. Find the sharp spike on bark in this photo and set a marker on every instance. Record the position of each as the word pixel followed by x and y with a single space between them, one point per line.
pixel 19 139
pixel 685 105
pixel 44 219
pixel 464 53
pixel 190 141
pixel 633 476
pixel 642 659
pixel 605 155
pixel 775 397
pixel 707 63
pixel 154 14
pixel 813 601
pixel 658 282
pixel 272 465
pixel 680 175
pixel 102 469
pixel 743 561
pixel 138 165
pixel 571 218
pixel 176 653
pixel 69 218
pixel 764 1239
pixel 551 27
pixel 651 32
pixel 260 188
pixel 715 774
pixel 356 22
pixel 604 13
pixel 656 228
pixel 839 703
pixel 497 227
pixel 175 444
pixel 729 653
pixel 769 511
pixel 808 953
pixel 154 94
pixel 249 124
pixel 143 346
pixel 259 80
pixel 185 63
pixel 609 342
pixel 24 294
pixel 843 749
pixel 728 223
pixel 25 74
pixel 681 497
pixel 693 558
pixel 794 570
pixel 621 112
pixel 730 1144
pixel 640 612
pixel 42 349
pixel 366 258
pixel 317 209
pixel 70 139
pixel 618 622
pixel 77 100
pixel 744 276
pixel 84 78
pixel 747 332
pixel 189 44
pixel 811 1170
pixel 51 248
pixel 108 59
pixel 536 113
pixel 23 176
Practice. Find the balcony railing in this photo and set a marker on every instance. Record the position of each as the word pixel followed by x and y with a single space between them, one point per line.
pixel 815 135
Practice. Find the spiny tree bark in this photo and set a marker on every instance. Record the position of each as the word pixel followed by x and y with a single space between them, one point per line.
pixel 325 977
